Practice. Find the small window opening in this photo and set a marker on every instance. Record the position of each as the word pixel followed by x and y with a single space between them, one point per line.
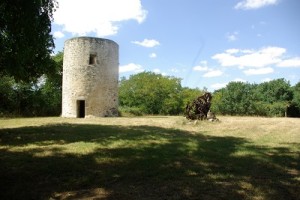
pixel 93 58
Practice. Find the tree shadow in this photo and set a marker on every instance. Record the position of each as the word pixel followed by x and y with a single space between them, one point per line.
pixel 81 161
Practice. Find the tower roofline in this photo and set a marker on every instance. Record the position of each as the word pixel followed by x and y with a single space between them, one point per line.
pixel 91 38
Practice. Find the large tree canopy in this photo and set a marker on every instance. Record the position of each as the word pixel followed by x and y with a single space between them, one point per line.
pixel 42 98
pixel 25 38
pixel 151 93
pixel 273 98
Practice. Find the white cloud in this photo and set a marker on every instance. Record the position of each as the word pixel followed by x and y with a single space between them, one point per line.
pixel 147 43
pixel 262 58
pixel 267 70
pixel 209 72
pixel 250 58
pixel 222 85
pixel 232 36
pixel 213 73
pixel 131 67
pixel 254 4
pixel 200 68
pixel 217 86
pixel 239 80
pixel 153 55
pixel 102 17
pixel 293 62
pixel 232 51
pixel 58 34
pixel 156 71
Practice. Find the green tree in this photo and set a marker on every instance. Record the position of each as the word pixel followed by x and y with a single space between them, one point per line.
pixel 274 97
pixel 17 98
pixel 296 95
pixel 51 90
pixel 41 98
pixel 235 99
pixel 7 96
pixel 28 99
pixel 266 99
pixel 25 38
pixel 189 95
pixel 217 102
pixel 274 91
pixel 294 108
pixel 151 93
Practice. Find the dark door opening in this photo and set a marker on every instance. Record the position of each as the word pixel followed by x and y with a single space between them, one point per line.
pixel 80 108
pixel 93 59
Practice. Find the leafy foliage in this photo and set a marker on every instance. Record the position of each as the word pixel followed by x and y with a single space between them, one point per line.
pixel 296 95
pixel 151 93
pixel 25 38
pixel 52 89
pixel 189 94
pixel 41 98
pixel 235 99
pixel 266 99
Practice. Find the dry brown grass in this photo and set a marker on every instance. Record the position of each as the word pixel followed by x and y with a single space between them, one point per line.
pixel 274 130
pixel 150 157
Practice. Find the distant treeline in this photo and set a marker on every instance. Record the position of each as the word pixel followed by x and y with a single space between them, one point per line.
pixel 151 93
pixel 273 98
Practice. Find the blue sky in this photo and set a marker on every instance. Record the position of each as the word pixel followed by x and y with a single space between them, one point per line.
pixel 206 43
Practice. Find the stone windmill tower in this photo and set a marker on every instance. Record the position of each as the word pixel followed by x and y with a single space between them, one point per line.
pixel 90 78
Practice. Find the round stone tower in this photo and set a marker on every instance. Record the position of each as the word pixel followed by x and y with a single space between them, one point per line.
pixel 90 78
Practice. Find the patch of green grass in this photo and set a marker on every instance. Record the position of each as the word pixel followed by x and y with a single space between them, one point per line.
pixel 85 159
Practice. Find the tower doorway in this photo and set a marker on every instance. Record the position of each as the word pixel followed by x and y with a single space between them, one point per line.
pixel 80 108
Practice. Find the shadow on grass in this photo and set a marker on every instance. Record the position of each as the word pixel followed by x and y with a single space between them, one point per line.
pixel 71 161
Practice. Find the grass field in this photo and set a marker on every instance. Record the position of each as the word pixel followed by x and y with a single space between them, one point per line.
pixel 150 158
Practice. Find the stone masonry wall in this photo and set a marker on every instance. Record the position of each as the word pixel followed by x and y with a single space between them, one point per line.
pixel 90 73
